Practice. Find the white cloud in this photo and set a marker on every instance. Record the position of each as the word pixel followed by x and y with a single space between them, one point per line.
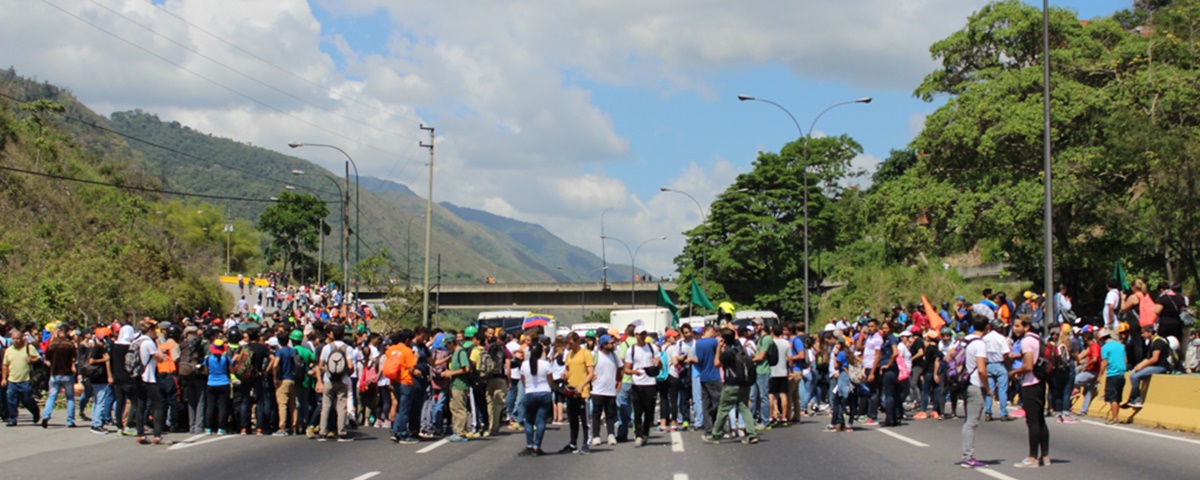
pixel 916 123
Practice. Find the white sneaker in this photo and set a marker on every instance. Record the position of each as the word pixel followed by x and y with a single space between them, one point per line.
pixel 612 439
pixel 595 441
pixel 639 442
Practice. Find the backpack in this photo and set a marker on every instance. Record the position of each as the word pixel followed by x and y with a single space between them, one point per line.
pixel 189 358
pixel 1172 359
pixel 243 367
pixel 489 365
pixel 370 377
pixel 1043 367
pixel 741 373
pixel 1062 360
pixel 665 372
pixel 902 364
pixel 958 373
pixel 338 363
pixel 772 354
pixel 133 359
pixel 391 363
pixel 86 368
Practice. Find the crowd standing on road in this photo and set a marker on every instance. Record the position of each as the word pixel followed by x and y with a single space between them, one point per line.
pixel 315 369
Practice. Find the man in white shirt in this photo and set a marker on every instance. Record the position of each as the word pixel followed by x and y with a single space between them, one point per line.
pixel 642 364
pixel 998 347
pixel 335 393
pixel 604 389
pixel 689 398
pixel 146 399
pixel 976 362
pixel 871 347
pixel 1112 304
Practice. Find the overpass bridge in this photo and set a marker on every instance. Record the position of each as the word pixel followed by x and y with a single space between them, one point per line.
pixel 545 296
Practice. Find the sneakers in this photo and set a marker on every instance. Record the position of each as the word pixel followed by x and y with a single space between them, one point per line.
pixel 345 439
pixel 710 439
pixel 972 463
pixel 409 441
pixel 46 422
pixel 1135 403
pixel 871 422
pixel 1019 413
pixel 830 429
pixel 567 449
pixel 280 433
pixel 1067 419
pixel 612 440
pixel 98 431
pixel 935 415
pixel 987 417
pixel 920 416
pixel 1027 463
pixel 750 440
pixel 595 441
pixel 221 432
pixel 639 441
pixel 455 438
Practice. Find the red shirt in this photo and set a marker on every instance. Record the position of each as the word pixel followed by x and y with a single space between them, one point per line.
pixel 1094 357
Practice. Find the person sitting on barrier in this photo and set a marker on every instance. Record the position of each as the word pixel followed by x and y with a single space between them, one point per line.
pixel 1157 361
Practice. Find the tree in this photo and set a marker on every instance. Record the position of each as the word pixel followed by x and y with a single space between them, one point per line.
pixel 293 224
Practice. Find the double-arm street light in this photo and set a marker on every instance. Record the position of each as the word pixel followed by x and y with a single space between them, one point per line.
pixel 806 137
pixel 633 265
pixel 357 210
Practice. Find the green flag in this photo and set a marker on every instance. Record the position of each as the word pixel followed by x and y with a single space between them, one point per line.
pixel 665 301
pixel 1120 277
pixel 699 299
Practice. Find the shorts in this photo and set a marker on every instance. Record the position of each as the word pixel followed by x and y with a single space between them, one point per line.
pixel 777 385
pixel 1114 387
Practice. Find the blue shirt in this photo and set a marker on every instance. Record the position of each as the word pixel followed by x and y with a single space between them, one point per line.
pixel 1114 352
pixel 1016 348
pixel 287 369
pixel 797 348
pixel 218 370
pixel 886 352
pixel 706 353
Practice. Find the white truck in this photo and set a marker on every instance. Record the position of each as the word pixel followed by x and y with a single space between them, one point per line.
pixel 743 318
pixel 656 320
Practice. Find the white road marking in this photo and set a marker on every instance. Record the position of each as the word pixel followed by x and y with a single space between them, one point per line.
pixel 681 476
pixel 903 438
pixel 435 445
pixel 365 476
pixel 994 474
pixel 194 438
pixel 1143 432
pixel 181 446
pixel 677 445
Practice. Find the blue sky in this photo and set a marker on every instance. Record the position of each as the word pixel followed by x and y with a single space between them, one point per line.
pixel 547 111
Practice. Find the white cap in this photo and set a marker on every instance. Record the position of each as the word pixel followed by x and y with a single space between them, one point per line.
pixel 640 329
pixel 829 326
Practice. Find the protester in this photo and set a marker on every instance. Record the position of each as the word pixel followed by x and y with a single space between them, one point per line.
pixel 537 377
pixel 1033 397
pixel 736 393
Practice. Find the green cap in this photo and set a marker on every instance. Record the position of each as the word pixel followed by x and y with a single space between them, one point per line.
pixel 296 335
pixel 590 333
pixel 470 331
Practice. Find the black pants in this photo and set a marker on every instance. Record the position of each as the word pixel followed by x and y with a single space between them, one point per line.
pixel 168 389
pixel 217 405
pixel 643 410
pixel 668 397
pixel 121 393
pixel 1033 400
pixel 604 405
pixel 146 400
pixel 577 417
pixel 710 398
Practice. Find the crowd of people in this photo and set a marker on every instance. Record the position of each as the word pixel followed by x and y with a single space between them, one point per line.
pixel 314 368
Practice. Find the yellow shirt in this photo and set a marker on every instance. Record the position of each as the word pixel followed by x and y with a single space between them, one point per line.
pixel 577 365
pixel 475 357
pixel 17 361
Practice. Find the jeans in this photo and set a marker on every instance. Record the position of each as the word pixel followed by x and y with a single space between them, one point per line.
pixel 1135 380
pixel 807 384
pixel 537 408
pixel 1033 400
pixel 168 389
pixel 514 404
pixel 929 391
pixel 21 393
pixel 733 396
pixel 624 410
pixel 1086 381
pixel 438 409
pixel 264 396
pixel 876 396
pixel 308 408
pixel 643 409
pixel 418 401
pixel 761 401
pixel 405 394
pixel 66 383
pixel 193 394
pixel 87 396
pixel 607 406
pixel 101 404
pixel 998 381
pixel 697 403
pixel 838 407
pixel 972 411
pixel 893 401
pixel 216 407
pixel 121 393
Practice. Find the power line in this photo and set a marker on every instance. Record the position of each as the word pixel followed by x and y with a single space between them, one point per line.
pixel 89 123
pixel 214 82
pixel 135 187
pixel 234 70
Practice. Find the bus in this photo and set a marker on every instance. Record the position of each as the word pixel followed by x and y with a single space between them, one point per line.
pixel 743 318
pixel 511 321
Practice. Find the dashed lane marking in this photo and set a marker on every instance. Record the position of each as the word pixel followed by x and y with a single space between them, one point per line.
pixel 1143 432
pixel 188 444
pixel 432 447
pixel 365 476
pixel 677 444
pixel 681 476
pixel 903 438
pixel 994 474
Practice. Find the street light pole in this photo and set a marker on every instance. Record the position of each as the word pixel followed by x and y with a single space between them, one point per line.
pixel 428 224
pixel 633 266
pixel 228 232
pixel 704 238
pixel 357 209
pixel 603 252
pixel 1048 235
pixel 804 175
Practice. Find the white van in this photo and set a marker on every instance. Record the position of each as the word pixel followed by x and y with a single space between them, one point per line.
pixel 743 318
pixel 657 320
pixel 511 321
pixel 583 328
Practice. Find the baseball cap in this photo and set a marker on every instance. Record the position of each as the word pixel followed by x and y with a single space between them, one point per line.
pixel 1029 295
pixel 640 329
pixel 757 321
pixel 671 333
pixel 1104 333
pixel 605 338
pixel 960 298
pixel 906 333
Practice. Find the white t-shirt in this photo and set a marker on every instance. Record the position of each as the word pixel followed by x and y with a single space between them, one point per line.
pixel 353 357
pixel 1112 298
pixel 513 347
pixel 536 383
pixel 779 369
pixel 605 383
pixel 640 358
pixel 147 351
pixel 672 352
pixel 975 351
pixel 871 348
pixel 560 371
pixel 984 310
pixel 996 346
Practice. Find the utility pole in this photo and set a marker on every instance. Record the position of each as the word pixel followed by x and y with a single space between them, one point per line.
pixel 1048 214
pixel 428 224
pixel 346 244
pixel 437 304
pixel 228 232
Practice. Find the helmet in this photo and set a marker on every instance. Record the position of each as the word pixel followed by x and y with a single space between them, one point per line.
pixel 234 335
pixel 174 332
pixel 946 331
pixel 470 332
pixel 1124 327
pixel 296 336
pixel 945 305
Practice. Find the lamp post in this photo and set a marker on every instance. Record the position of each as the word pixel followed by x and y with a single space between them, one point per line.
pixel 603 252
pixel 633 265
pixel 805 177
pixel 703 221
pixel 345 195
pixel 1048 218
pixel 582 290
pixel 228 232
pixel 357 210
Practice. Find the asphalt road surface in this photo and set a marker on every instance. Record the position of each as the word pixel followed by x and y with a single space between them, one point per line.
pixel 921 449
